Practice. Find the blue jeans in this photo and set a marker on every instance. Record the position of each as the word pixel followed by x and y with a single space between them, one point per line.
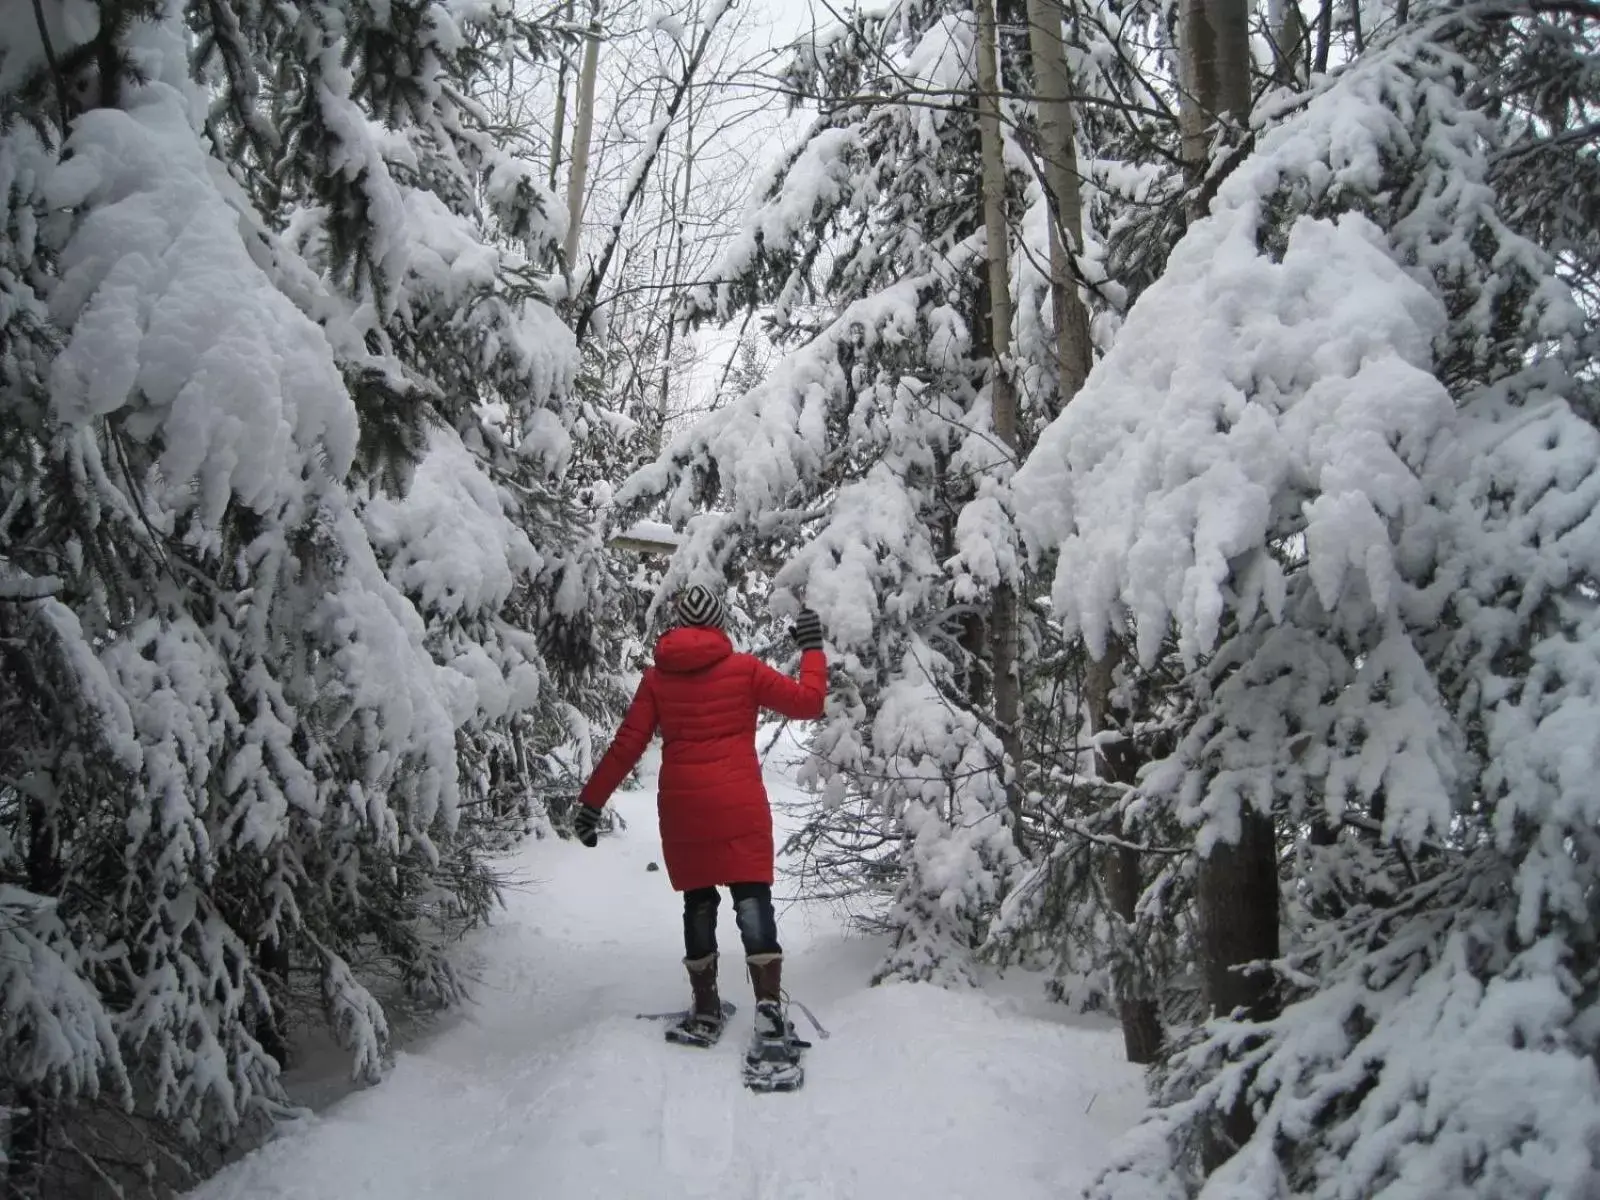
pixel 752 905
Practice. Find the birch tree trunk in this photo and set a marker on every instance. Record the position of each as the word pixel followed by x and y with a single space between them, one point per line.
pixel 559 130
pixel 1003 400
pixel 579 180
pixel 1058 145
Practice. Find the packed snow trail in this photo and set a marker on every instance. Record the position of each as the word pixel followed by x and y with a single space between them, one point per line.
pixel 548 1086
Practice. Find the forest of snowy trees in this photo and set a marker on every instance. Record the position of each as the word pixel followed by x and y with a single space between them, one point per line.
pixel 1185 417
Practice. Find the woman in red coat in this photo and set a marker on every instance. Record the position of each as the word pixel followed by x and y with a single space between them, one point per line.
pixel 716 825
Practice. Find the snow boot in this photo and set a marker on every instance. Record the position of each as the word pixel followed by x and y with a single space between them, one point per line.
pixel 702 1024
pixel 772 1063
pixel 766 978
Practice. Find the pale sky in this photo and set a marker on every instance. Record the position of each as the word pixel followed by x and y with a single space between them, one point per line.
pixel 788 18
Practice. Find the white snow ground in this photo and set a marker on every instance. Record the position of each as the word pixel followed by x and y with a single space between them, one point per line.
pixel 548 1087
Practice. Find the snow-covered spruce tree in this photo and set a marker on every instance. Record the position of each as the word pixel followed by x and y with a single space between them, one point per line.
pixel 216 675
pixel 867 469
pixel 1339 459
pixel 439 292
pixel 236 752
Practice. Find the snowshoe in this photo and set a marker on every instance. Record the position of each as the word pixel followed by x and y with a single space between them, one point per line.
pixel 774 1066
pixel 772 1060
pixel 697 1029
pixel 678 1015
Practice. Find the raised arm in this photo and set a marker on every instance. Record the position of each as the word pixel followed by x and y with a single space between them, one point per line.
pixel 638 727
pixel 798 699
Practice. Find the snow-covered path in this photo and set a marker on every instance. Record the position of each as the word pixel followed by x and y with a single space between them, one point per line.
pixel 549 1087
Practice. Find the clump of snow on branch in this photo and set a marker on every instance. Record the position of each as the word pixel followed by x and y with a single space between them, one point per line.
pixel 959 852
pixel 1249 378
pixel 231 380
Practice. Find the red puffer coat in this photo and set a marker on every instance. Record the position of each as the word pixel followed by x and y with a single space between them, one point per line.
pixel 716 826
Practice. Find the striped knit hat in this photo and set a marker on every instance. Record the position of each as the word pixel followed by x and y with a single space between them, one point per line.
pixel 699 605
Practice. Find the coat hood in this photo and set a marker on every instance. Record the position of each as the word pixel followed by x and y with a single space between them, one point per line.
pixel 691 648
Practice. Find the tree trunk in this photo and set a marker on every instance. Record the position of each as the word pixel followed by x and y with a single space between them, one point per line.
pixel 1236 889
pixel 1052 80
pixel 680 204
pixel 1214 45
pixel 1140 1016
pixel 997 236
pixel 1142 1035
pixel 1289 37
pixel 580 137
pixel 559 131
pixel 1002 399
pixel 1237 893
